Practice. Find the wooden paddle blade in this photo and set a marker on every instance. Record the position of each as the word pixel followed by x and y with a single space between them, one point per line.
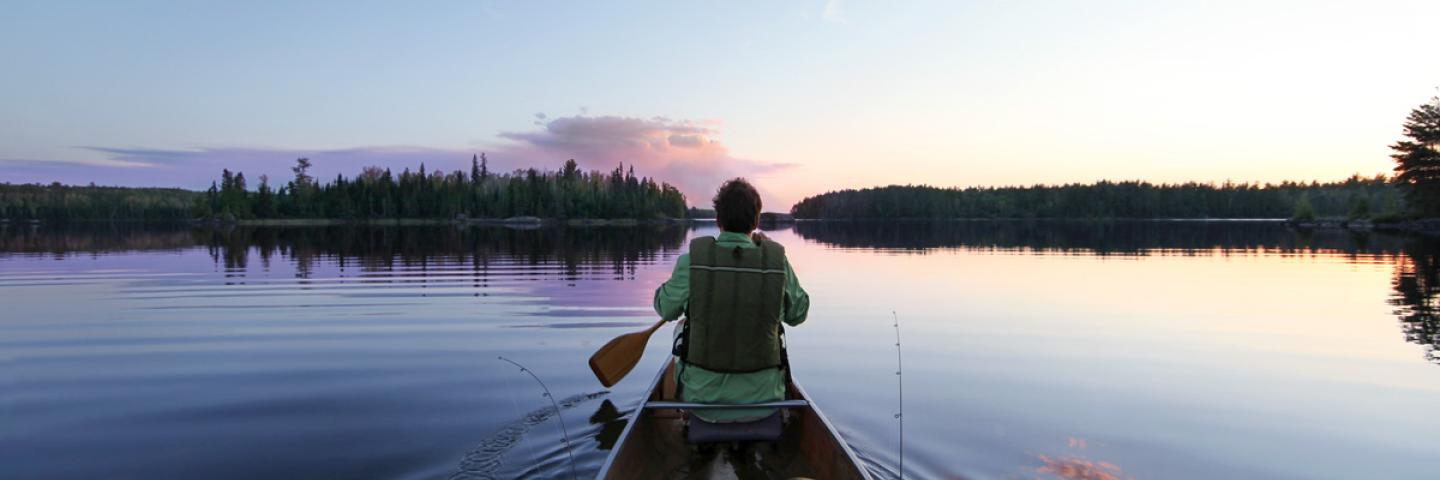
pixel 615 359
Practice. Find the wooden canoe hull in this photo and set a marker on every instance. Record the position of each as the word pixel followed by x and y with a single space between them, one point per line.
pixel 653 446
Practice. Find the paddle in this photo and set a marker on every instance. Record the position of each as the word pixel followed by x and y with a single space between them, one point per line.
pixel 612 361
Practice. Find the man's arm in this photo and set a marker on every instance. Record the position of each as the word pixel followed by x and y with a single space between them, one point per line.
pixel 673 295
pixel 797 302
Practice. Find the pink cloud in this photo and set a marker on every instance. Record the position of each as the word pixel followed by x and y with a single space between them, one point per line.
pixel 682 152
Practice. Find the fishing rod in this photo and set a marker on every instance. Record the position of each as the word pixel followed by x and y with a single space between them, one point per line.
pixel 563 431
pixel 900 381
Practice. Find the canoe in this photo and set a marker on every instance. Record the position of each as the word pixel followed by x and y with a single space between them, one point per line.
pixel 654 444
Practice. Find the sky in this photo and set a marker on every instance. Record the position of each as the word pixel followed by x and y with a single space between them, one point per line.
pixel 800 97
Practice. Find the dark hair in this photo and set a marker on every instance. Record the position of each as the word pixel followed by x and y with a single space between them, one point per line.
pixel 737 206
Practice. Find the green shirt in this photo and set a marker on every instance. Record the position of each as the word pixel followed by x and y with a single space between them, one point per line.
pixel 705 386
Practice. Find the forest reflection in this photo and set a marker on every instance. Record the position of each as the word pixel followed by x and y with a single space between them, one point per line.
pixel 1096 237
pixel 60 240
pixel 614 252
pixel 389 248
pixel 380 248
pixel 1416 284
pixel 1416 260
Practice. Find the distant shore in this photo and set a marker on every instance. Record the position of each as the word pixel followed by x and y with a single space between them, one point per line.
pixel 321 222
pixel 1429 226
pixel 1425 226
pixel 1037 219
pixel 512 221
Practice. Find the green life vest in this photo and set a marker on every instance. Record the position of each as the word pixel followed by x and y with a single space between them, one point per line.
pixel 736 298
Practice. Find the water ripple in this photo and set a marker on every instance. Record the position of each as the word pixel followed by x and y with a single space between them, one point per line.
pixel 486 459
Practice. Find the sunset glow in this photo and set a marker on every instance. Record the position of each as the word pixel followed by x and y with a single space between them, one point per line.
pixel 803 97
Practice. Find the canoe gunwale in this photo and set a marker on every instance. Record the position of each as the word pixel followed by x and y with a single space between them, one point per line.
pixel 834 433
pixel 630 425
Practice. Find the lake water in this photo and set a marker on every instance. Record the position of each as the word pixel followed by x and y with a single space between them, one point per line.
pixel 1031 350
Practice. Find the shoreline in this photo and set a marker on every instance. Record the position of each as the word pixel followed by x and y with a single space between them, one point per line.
pixel 323 222
pixel 510 222
pixel 1424 226
pixel 1043 219
pixel 1429 226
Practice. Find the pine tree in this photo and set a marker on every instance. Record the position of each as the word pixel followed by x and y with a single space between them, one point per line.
pixel 212 199
pixel 570 171
pixel 1417 159
pixel 264 199
pixel 302 175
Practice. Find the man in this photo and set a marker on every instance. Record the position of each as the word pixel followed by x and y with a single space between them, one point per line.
pixel 734 290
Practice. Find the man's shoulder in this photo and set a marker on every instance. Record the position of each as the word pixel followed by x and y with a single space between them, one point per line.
pixel 700 241
pixel 773 245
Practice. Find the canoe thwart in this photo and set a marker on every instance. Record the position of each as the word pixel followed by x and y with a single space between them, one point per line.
pixel 658 404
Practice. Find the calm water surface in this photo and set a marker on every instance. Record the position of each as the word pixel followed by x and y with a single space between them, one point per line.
pixel 1032 350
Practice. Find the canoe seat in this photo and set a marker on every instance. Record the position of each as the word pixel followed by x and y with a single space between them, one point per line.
pixel 765 429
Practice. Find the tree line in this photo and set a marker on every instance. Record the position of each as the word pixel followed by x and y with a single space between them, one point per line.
pixel 1355 197
pixel 57 202
pixel 1413 192
pixel 376 193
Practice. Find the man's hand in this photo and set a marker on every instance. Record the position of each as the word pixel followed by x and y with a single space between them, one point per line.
pixel 758 237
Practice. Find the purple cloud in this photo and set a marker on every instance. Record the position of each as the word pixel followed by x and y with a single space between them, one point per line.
pixel 196 168
pixel 681 152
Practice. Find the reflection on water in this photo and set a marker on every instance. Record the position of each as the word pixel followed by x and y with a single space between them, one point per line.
pixel 371 348
pixel 1076 468
pixel 93 238
pixel 1072 465
pixel 1097 238
pixel 1090 350
pixel 1416 272
pixel 376 247
pixel 611 425
pixel 415 247
pixel 1417 281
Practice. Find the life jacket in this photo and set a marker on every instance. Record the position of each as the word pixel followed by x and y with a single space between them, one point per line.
pixel 736 298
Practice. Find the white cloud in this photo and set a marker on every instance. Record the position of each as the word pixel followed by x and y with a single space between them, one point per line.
pixel 833 12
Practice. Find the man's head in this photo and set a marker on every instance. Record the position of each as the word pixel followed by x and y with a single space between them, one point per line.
pixel 737 206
